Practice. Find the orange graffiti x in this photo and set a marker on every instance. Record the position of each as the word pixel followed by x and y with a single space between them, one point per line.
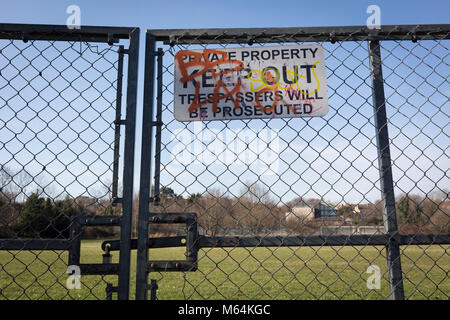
pixel 203 60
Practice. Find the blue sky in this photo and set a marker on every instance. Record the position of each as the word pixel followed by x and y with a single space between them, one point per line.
pixel 222 14
pixel 225 14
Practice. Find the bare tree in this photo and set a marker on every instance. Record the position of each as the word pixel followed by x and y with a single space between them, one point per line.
pixel 15 185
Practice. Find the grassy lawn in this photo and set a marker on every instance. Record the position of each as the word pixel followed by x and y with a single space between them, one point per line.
pixel 238 273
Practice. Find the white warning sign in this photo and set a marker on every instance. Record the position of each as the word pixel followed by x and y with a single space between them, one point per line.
pixel 248 83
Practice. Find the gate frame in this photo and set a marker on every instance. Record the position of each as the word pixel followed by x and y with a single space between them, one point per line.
pixel 391 239
pixel 109 35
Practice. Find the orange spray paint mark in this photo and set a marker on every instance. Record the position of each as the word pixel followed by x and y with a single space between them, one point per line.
pixel 202 59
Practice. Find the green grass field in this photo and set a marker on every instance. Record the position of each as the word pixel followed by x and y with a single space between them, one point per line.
pixel 238 273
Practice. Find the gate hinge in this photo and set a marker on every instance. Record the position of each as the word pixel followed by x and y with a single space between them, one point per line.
pixel 123 50
pixel 120 122
pixel 117 200
pixel 156 123
pixel 154 200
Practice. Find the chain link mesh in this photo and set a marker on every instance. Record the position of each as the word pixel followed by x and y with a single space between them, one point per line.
pixel 320 165
pixel 259 178
pixel 57 113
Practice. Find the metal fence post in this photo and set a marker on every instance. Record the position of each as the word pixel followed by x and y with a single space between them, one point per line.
pixel 385 169
pixel 128 171
pixel 115 182
pixel 159 124
pixel 75 242
pixel 144 188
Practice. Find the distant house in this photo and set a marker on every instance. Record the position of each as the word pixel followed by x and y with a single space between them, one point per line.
pixel 325 211
pixel 365 210
pixel 305 212
pixel 300 212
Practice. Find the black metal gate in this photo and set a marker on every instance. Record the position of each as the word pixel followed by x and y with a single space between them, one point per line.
pixel 314 211
pixel 241 240
pixel 67 158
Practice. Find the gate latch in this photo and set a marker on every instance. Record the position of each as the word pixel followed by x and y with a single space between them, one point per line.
pixel 190 264
pixel 107 258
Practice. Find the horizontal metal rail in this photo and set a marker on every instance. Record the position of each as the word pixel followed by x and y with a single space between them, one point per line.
pixel 291 241
pixel 99 268
pixel 274 35
pixel 100 220
pixel 35 244
pixel 332 240
pixel 57 244
pixel 173 217
pixel 165 266
pixel 62 33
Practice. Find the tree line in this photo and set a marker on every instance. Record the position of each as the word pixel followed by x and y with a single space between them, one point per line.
pixel 253 210
pixel 41 217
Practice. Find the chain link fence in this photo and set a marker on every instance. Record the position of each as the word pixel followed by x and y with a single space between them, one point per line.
pixel 350 205
pixel 61 147
pixel 307 207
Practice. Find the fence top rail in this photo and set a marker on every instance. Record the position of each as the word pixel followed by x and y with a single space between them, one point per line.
pixel 18 31
pixel 304 34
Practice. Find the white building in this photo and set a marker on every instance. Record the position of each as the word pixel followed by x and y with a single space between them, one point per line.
pixel 301 213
